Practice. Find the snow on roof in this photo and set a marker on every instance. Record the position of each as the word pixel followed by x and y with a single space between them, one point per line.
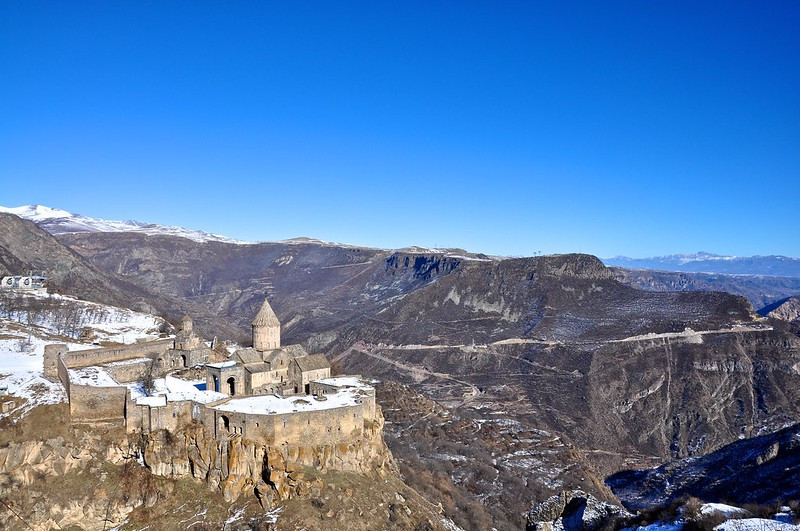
pixel 274 405
pixel 152 401
pixel 171 389
pixel 178 390
pixel 93 376
pixel 345 381
pixel 222 364
pixel 127 362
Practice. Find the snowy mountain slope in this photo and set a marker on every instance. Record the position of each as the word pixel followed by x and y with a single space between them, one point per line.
pixel 56 221
pixel 29 322
pixel 774 265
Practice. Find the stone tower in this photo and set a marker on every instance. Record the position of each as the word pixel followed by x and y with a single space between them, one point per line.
pixel 266 329
pixel 186 339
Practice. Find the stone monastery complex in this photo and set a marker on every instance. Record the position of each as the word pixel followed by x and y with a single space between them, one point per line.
pixel 267 393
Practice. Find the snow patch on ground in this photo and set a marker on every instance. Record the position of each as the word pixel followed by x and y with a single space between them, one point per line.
pixel 450 525
pixel 21 358
pixel 271 517
pixel 755 524
pixel 658 526
pixel 56 314
pixel 729 511
pixel 22 342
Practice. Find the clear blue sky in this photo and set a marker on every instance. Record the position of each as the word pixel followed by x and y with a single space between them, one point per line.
pixel 637 128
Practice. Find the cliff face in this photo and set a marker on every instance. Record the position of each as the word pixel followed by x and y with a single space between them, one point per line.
pixel 51 483
pixel 104 478
pixel 686 395
pixel 789 310
pixel 237 466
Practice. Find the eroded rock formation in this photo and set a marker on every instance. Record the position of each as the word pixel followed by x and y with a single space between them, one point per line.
pixel 237 466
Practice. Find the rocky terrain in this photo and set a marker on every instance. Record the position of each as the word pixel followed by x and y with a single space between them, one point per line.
pixel 759 470
pixel 787 310
pixel 57 476
pixel 26 247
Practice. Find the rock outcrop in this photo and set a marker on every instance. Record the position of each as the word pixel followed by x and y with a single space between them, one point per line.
pixel 789 310
pixel 26 467
pixel 574 510
pixel 760 470
pixel 237 466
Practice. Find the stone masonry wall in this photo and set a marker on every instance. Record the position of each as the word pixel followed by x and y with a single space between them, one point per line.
pixel 91 404
pixel 85 358
pixel 52 353
pixel 63 375
pixel 129 372
pixel 330 426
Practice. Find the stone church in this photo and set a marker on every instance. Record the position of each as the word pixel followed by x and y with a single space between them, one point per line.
pixel 267 367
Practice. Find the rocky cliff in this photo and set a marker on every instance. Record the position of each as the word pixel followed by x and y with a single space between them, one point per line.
pixel 236 466
pixel 57 476
pixel 788 310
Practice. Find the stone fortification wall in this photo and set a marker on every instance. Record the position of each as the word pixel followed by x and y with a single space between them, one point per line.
pixel 63 375
pixel 129 372
pixel 330 426
pixel 52 353
pixel 173 416
pixel 99 356
pixel 97 404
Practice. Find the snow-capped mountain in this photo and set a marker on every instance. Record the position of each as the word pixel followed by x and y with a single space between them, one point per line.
pixel 57 221
pixel 701 262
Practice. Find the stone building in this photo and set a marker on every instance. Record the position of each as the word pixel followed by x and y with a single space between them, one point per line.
pixel 266 367
pixel 189 350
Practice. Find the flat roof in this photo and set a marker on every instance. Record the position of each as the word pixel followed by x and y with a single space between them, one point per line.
pixel 274 405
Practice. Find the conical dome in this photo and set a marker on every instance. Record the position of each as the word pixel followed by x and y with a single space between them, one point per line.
pixel 266 317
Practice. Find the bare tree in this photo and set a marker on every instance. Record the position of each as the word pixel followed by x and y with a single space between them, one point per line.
pixel 148 378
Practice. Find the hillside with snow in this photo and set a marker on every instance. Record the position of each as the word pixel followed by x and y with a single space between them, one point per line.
pixel 28 322
pixel 57 221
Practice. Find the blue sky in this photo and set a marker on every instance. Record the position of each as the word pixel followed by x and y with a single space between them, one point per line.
pixel 636 128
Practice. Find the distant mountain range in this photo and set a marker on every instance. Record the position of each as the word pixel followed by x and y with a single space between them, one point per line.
pixel 56 221
pixel 773 265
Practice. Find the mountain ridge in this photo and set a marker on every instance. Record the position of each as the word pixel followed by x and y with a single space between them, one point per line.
pixel 57 221
pixel 703 262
